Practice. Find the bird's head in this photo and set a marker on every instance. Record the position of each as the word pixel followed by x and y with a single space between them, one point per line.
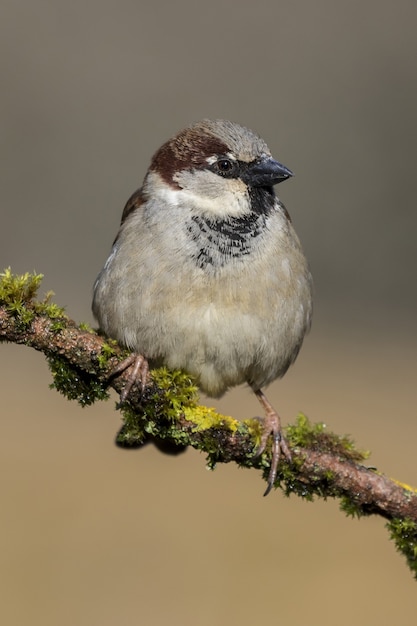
pixel 218 167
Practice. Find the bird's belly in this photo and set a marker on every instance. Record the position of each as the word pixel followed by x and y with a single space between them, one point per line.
pixel 227 344
pixel 245 323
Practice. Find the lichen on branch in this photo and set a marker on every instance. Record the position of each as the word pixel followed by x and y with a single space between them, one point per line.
pixel 167 411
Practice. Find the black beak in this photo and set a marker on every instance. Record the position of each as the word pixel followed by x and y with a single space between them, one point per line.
pixel 265 172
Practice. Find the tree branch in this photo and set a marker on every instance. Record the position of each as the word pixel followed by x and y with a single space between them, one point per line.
pixel 81 361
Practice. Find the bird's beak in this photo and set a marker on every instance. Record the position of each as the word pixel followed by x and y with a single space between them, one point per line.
pixel 266 172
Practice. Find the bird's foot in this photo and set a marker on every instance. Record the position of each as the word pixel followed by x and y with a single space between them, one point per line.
pixel 271 427
pixel 139 373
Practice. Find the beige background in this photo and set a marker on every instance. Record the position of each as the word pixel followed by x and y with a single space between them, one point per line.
pixel 93 535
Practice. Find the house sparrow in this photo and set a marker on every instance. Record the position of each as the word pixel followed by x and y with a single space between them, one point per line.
pixel 207 273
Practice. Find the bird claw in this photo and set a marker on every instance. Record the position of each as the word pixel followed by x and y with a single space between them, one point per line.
pixel 271 427
pixel 139 373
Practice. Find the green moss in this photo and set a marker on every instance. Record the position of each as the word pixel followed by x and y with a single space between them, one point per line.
pixel 173 395
pixel 50 309
pixel 15 288
pixel 108 350
pixel 132 434
pixel 351 508
pixel 161 404
pixel 304 434
pixel 317 486
pixel 205 418
pixel 404 534
pixel 179 390
pixel 18 293
pixel 87 328
pixel 74 383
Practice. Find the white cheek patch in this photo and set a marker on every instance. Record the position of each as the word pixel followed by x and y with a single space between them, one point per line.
pixel 228 204
pixel 203 192
pixel 207 193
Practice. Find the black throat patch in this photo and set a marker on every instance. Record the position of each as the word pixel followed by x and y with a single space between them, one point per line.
pixel 216 242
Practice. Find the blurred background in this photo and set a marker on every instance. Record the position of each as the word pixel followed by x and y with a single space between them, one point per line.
pixel 91 534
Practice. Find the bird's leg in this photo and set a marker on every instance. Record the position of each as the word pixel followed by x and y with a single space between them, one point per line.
pixel 139 373
pixel 272 427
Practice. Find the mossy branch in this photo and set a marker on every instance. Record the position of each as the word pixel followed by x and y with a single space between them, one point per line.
pixel 81 362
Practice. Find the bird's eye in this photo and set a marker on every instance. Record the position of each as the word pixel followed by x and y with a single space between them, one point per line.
pixel 224 165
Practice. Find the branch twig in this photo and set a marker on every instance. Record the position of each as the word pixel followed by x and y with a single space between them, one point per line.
pixel 81 361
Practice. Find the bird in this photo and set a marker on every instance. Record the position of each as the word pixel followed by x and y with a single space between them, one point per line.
pixel 207 273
